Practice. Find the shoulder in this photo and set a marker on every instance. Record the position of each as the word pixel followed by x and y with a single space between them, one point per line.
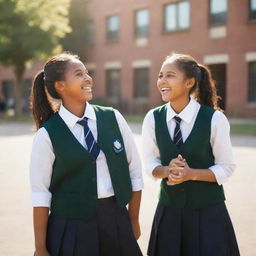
pixel 50 122
pixel 41 136
pixel 102 108
pixel 219 119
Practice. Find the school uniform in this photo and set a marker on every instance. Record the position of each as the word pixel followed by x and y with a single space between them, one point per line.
pixel 87 197
pixel 191 218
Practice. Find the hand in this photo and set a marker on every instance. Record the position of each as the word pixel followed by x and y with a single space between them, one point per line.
pixel 173 168
pixel 41 252
pixel 179 161
pixel 179 173
pixel 136 229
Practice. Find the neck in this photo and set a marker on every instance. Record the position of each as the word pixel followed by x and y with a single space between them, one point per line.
pixel 76 108
pixel 179 104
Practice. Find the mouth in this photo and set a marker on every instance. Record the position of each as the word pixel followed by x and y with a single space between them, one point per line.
pixel 165 89
pixel 86 88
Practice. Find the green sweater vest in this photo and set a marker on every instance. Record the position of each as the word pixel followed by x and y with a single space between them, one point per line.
pixel 74 182
pixel 198 153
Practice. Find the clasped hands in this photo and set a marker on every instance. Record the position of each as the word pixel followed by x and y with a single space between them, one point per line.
pixel 179 171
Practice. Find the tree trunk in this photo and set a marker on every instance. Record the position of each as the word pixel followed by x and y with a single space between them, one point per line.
pixel 18 88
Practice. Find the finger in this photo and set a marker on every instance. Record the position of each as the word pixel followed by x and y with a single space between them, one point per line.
pixel 180 157
pixel 176 169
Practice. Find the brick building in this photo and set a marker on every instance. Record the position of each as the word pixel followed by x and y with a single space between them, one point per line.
pixel 128 40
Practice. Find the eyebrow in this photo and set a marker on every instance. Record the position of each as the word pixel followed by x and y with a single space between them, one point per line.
pixel 80 70
pixel 169 72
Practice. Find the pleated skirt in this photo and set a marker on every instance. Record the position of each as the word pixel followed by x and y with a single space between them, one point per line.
pixel 192 232
pixel 109 233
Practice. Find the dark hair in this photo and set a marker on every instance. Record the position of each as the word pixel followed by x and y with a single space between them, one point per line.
pixel 43 90
pixel 204 90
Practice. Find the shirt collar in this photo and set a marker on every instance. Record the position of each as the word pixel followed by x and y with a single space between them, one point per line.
pixel 186 114
pixel 71 119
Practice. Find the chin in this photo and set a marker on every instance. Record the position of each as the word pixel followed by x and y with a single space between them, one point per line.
pixel 166 99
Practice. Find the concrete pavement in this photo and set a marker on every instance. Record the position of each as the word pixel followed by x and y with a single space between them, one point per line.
pixel 16 233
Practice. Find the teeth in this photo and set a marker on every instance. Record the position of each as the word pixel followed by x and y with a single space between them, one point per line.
pixel 87 88
pixel 165 89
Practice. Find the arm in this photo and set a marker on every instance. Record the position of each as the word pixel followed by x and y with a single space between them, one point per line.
pixel 40 218
pixel 222 150
pixel 41 160
pixel 135 173
pixel 161 172
pixel 133 209
pixel 150 152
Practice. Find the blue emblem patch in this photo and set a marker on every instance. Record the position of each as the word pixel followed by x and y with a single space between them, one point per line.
pixel 117 146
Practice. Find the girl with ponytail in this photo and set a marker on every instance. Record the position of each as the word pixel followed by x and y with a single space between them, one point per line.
pixel 186 144
pixel 84 168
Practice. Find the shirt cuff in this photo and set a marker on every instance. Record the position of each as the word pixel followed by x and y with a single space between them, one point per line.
pixel 219 173
pixel 41 199
pixel 149 168
pixel 137 184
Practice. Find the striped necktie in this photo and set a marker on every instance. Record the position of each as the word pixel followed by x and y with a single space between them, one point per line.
pixel 92 146
pixel 177 138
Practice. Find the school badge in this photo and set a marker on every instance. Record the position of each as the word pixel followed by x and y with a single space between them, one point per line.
pixel 117 146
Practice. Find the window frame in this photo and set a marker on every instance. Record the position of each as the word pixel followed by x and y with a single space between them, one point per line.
pixel 250 83
pixel 178 29
pixel 136 34
pixel 137 95
pixel 216 24
pixel 108 35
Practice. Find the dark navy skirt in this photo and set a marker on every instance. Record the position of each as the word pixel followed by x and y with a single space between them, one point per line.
pixel 192 232
pixel 109 233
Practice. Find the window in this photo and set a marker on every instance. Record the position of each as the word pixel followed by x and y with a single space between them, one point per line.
pixel 252 10
pixel 89 39
pixel 113 29
pixel 141 82
pixel 141 23
pixel 177 16
pixel 218 12
pixel 113 83
pixel 8 92
pixel 252 82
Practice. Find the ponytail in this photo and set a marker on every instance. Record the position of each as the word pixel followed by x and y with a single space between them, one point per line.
pixel 206 93
pixel 41 107
pixel 204 90
pixel 43 91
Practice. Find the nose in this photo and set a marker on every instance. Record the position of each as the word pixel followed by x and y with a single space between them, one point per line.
pixel 87 77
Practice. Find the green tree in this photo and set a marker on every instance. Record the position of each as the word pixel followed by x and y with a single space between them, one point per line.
pixel 75 41
pixel 30 30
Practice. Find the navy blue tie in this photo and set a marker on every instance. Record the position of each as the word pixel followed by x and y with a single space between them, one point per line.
pixel 92 145
pixel 177 138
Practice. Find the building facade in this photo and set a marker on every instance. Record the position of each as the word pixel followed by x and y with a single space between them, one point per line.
pixel 127 42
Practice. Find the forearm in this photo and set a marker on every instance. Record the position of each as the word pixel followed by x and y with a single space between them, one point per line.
pixel 202 175
pixel 161 172
pixel 134 205
pixel 40 216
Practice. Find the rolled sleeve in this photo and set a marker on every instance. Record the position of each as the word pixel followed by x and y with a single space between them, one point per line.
pixel 42 199
pixel 41 162
pixel 150 151
pixel 222 148
pixel 132 153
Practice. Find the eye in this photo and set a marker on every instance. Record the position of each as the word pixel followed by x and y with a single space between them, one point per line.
pixel 160 76
pixel 79 74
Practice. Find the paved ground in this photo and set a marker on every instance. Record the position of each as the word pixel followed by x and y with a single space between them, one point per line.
pixel 16 234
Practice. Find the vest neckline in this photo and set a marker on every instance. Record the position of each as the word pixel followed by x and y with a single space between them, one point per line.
pixel 64 125
pixel 195 126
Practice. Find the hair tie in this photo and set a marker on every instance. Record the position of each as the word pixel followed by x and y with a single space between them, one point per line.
pixel 43 74
pixel 198 73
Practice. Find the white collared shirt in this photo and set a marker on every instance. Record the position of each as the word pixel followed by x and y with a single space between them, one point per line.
pixel 42 157
pixel 220 139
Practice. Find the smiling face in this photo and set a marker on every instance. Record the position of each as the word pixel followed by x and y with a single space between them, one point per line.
pixel 77 85
pixel 172 83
